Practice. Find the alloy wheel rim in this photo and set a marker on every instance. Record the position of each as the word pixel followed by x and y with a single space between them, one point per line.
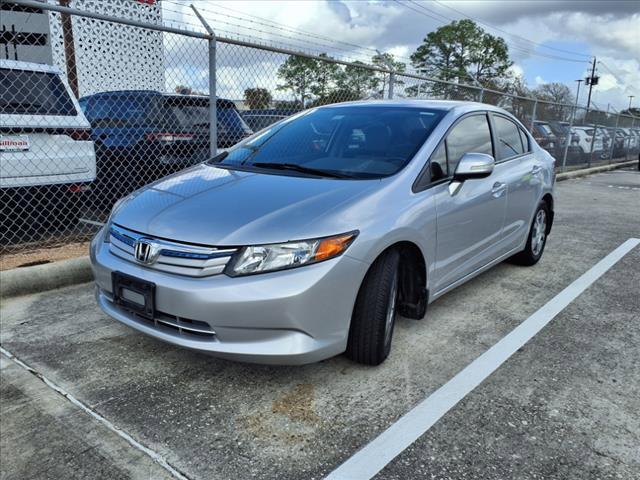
pixel 391 311
pixel 539 232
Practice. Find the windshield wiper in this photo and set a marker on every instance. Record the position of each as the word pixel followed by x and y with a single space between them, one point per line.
pixel 299 168
pixel 218 158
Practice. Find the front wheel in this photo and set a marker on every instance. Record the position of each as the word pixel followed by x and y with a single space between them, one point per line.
pixel 537 238
pixel 374 313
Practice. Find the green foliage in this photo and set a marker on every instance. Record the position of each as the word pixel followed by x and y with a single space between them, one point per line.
pixel 298 75
pixel 462 52
pixel 357 80
pixel 387 60
pixel 257 98
pixel 316 82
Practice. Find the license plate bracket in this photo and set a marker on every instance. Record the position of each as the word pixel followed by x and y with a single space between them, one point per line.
pixel 133 294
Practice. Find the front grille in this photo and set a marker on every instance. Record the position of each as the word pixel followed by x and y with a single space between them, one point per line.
pixel 179 326
pixel 171 324
pixel 173 257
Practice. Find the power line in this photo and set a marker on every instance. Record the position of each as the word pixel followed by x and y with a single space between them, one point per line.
pixel 291 40
pixel 281 27
pixel 424 11
pixel 486 24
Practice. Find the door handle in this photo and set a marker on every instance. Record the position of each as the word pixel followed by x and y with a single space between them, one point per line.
pixel 536 169
pixel 498 189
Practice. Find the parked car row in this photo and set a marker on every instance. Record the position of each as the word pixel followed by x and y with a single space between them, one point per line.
pixel 586 142
pixel 55 150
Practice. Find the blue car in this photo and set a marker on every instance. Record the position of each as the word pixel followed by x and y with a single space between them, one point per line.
pixel 143 135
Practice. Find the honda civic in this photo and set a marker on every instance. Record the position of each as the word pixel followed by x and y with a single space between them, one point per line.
pixel 311 237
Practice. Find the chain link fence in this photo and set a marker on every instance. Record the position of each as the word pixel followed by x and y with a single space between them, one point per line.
pixel 126 102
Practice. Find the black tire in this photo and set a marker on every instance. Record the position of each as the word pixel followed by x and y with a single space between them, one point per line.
pixel 533 250
pixel 370 332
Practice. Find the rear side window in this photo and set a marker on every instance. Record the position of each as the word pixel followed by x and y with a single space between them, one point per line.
pixel 119 111
pixel 509 140
pixel 471 134
pixel 34 93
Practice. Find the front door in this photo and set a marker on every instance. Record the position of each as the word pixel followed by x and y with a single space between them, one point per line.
pixel 469 220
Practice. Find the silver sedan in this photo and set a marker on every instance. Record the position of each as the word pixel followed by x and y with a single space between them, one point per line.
pixel 311 237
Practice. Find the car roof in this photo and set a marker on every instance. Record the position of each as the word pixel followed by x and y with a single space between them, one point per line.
pixel 149 93
pixel 29 66
pixel 418 103
pixel 455 107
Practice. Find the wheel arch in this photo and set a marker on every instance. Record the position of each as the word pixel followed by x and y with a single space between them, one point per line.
pixel 413 293
pixel 548 199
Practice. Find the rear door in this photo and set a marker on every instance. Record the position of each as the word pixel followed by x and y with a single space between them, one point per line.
pixel 469 222
pixel 44 137
pixel 522 174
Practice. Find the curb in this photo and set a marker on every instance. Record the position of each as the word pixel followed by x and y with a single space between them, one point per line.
pixel 588 171
pixel 40 278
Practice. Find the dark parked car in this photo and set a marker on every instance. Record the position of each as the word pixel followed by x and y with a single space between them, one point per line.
pixel 546 138
pixel 143 135
pixel 262 118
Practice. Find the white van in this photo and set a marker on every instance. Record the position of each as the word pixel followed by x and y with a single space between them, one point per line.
pixel 45 139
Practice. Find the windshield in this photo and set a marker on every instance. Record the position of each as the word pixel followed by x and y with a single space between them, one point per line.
pixel 23 92
pixel 356 142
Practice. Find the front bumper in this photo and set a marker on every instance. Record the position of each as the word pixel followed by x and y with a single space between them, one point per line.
pixel 290 317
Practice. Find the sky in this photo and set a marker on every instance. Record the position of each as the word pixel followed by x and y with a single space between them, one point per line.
pixel 549 40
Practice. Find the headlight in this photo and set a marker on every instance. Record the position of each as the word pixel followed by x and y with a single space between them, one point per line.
pixel 282 256
pixel 107 226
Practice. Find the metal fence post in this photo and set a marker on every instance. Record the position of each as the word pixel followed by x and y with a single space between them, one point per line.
pixel 481 95
pixel 568 140
pixel 213 98
pixel 613 138
pixel 533 114
pixel 392 81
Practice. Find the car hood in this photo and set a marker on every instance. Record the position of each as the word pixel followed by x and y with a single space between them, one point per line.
pixel 215 206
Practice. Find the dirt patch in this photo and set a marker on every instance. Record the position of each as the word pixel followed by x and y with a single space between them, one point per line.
pixel 292 421
pixel 43 255
pixel 298 404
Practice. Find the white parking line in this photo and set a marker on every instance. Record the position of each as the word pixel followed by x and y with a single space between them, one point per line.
pixel 155 456
pixel 367 462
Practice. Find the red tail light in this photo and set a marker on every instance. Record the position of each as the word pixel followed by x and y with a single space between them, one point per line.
pixel 169 137
pixel 78 134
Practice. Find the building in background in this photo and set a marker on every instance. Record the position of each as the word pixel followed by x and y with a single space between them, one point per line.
pixel 98 56
pixel 24 34
pixel 112 56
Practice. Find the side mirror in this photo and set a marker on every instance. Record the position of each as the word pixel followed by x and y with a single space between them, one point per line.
pixel 474 165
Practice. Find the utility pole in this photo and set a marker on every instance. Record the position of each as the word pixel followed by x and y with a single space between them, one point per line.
pixel 591 81
pixel 578 90
pixel 69 49
pixel 631 97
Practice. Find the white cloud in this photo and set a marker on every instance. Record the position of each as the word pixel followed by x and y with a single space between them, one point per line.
pixel 353 30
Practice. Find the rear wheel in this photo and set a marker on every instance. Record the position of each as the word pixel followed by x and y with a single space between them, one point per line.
pixel 537 238
pixel 374 314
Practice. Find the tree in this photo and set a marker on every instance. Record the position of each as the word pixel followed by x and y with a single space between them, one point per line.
pixel 257 98
pixel 357 81
pixel 298 75
pixel 633 111
pixel 325 77
pixel 387 60
pixel 559 97
pixel 462 52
